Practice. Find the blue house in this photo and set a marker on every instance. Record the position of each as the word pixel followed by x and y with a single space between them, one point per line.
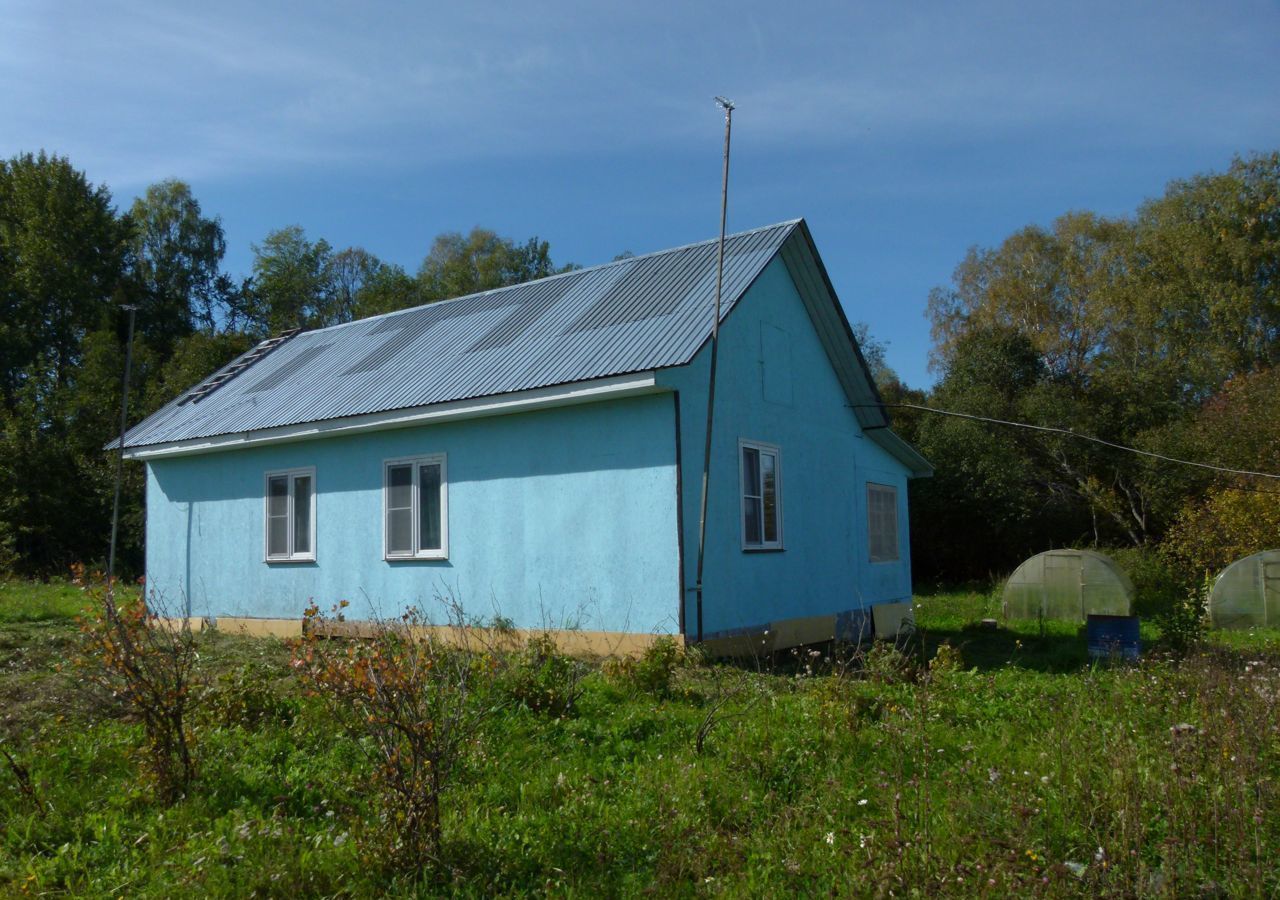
pixel 536 452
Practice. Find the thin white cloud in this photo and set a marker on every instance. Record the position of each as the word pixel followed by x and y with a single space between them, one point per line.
pixel 148 89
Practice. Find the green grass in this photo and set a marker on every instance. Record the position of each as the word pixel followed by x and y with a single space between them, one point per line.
pixel 986 779
pixel 26 601
pixel 1054 646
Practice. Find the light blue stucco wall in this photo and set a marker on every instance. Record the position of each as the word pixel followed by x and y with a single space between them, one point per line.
pixel 776 385
pixel 557 516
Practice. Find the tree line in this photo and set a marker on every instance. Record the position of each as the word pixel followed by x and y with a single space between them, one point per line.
pixel 1156 330
pixel 69 263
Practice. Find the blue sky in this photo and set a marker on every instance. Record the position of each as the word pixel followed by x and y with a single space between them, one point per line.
pixel 904 132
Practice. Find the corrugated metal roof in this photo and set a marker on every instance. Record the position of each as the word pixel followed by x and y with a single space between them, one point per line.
pixel 632 315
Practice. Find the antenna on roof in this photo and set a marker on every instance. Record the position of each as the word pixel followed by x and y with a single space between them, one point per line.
pixel 727 106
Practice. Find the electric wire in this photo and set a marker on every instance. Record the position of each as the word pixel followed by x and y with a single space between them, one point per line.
pixel 1075 434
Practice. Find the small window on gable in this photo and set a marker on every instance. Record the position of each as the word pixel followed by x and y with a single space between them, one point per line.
pixel 760 470
pixel 882 522
pixel 415 508
pixel 290 515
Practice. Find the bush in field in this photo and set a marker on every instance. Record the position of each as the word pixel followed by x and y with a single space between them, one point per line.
pixel 244 698
pixel 886 664
pixel 1185 623
pixel 136 659
pixel 653 670
pixel 1160 583
pixel 947 660
pixel 542 678
pixel 411 698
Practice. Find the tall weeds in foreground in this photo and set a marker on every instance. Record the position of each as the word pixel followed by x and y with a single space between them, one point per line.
pixel 407 697
pixel 132 657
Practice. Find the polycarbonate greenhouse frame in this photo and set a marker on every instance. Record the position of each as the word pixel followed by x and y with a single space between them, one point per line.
pixel 1068 584
pixel 1247 593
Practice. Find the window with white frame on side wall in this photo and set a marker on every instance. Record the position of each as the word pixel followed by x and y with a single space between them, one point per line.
pixel 882 522
pixel 415 505
pixel 289 530
pixel 760 477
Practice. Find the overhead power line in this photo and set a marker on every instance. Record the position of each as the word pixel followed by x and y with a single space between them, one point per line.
pixel 1075 434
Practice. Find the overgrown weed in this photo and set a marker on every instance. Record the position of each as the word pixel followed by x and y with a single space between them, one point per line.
pixel 965 779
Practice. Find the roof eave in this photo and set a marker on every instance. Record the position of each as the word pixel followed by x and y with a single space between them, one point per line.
pixel 570 394
pixel 909 456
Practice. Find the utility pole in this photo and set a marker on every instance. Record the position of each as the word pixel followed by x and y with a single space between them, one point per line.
pixel 727 106
pixel 124 421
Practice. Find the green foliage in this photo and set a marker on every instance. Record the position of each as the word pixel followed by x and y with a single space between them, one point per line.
pixel 62 253
pixel 61 256
pixel 388 288
pixel 146 668
pixel 1002 478
pixel 407 699
pixel 177 253
pixel 25 601
pixel 480 261
pixel 1159 584
pixel 885 663
pixel 543 679
pixel 1221 519
pixel 1157 780
pixel 653 671
pixel 290 287
pixel 245 698
pixel 69 261
pixel 1184 623
pixel 946 660
pixel 875 354
pixel 1142 331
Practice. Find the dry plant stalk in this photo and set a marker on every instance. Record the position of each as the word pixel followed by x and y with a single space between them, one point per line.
pixel 147 666
pixel 410 694
pixel 22 775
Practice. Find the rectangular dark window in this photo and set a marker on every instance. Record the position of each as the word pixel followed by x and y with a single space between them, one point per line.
pixel 416 508
pixel 761 477
pixel 400 510
pixel 429 537
pixel 290 515
pixel 882 522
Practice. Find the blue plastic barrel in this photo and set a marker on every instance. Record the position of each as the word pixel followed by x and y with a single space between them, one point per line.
pixel 1113 637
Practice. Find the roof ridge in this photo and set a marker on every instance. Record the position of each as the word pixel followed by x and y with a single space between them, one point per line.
pixel 598 266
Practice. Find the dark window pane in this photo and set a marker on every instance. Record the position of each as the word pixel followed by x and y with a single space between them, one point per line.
pixel 278 495
pixel 399 532
pixel 882 522
pixel 400 510
pixel 278 536
pixel 751 519
pixel 399 487
pixel 429 506
pixel 750 472
pixel 278 515
pixel 769 466
pixel 302 514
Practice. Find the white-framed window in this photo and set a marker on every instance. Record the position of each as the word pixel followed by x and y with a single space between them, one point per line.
pixel 882 522
pixel 415 508
pixel 290 515
pixel 760 473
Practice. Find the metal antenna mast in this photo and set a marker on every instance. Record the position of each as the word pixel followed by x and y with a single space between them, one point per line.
pixel 727 106
pixel 124 421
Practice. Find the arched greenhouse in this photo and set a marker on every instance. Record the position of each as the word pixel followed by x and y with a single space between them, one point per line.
pixel 1247 593
pixel 1068 584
